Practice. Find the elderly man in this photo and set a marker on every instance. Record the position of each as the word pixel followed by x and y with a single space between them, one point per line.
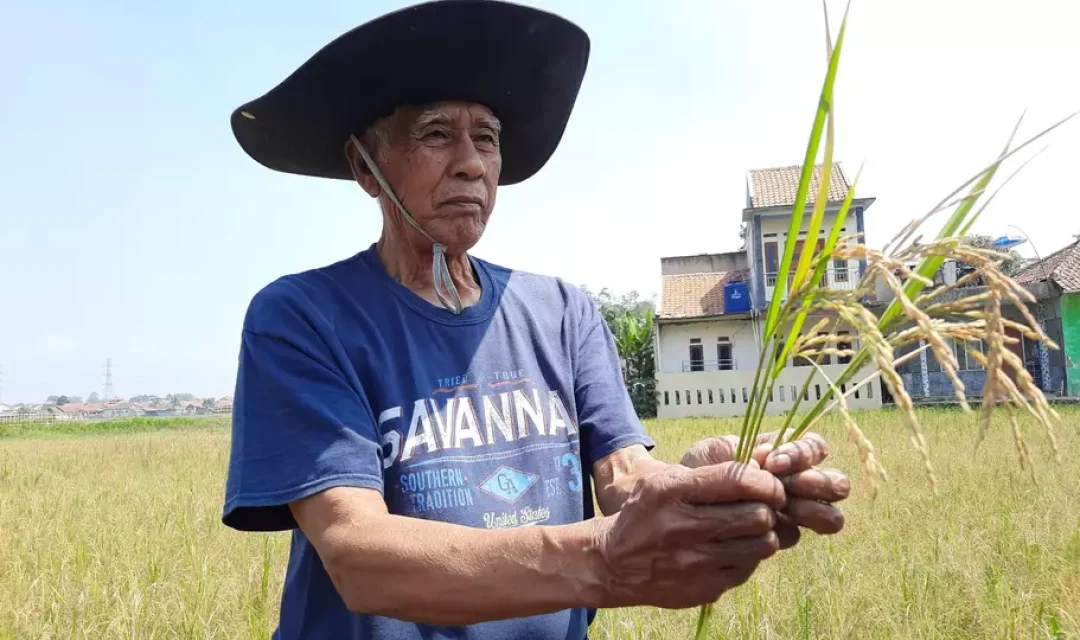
pixel 434 428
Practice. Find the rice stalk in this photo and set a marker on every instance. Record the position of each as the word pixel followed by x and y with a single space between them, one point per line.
pixel 965 316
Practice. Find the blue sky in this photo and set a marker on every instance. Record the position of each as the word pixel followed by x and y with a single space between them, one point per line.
pixel 132 226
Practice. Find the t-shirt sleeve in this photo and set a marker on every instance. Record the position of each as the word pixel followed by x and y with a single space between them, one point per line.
pixel 606 414
pixel 301 424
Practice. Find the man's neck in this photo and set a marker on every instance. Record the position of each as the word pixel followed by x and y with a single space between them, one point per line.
pixel 412 267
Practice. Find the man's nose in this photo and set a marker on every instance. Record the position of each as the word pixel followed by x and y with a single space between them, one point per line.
pixel 468 164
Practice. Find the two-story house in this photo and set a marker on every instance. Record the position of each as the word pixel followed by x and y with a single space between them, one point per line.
pixel 710 319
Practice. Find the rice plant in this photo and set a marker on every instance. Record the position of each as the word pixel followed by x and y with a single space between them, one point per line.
pixel 952 314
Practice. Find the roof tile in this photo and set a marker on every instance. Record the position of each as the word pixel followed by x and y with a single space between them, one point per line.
pixel 1062 267
pixel 778 186
pixel 695 295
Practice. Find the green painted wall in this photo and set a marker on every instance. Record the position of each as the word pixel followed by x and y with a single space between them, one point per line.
pixel 1070 330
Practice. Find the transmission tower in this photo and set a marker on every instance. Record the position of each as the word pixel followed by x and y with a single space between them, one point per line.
pixel 108 388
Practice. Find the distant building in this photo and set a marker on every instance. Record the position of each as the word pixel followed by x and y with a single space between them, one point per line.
pixel 711 315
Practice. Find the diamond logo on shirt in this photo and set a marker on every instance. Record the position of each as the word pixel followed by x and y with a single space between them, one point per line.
pixel 508 484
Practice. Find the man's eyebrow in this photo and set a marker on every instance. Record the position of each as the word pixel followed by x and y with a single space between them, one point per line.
pixel 431 117
pixel 490 122
pixel 428 118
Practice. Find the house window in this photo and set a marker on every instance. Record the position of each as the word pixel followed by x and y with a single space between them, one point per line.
pixel 724 360
pixel 824 282
pixel 697 355
pixel 840 273
pixel 699 396
pixel 794 262
pixel 710 396
pixel 801 361
pixel 964 360
pixel 772 263
pixel 666 399
pixel 677 401
pixel 721 395
pixel 843 345
pixel 687 396
pixel 781 387
pixel 932 364
pixel 825 358
pixel 733 400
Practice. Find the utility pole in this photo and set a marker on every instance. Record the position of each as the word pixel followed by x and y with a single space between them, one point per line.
pixel 108 388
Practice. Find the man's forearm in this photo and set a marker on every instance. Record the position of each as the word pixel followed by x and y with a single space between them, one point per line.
pixel 445 574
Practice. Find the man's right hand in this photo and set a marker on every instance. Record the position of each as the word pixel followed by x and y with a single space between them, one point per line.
pixel 685 536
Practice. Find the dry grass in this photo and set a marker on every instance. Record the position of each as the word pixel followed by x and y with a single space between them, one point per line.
pixel 119 537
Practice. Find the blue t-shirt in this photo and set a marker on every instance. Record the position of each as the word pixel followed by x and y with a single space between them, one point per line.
pixel 490 419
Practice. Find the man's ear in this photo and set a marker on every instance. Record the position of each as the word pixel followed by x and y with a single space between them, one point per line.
pixel 361 173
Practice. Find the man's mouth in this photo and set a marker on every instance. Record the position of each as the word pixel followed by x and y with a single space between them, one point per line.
pixel 464 201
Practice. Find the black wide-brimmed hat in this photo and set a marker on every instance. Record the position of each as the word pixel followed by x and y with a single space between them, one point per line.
pixel 524 64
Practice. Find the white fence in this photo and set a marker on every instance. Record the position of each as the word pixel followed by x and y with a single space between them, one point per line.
pixel 727 393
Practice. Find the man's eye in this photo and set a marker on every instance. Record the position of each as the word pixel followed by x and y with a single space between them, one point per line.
pixel 436 134
pixel 487 138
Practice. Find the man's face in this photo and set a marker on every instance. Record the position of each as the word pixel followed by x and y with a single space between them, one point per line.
pixel 443 162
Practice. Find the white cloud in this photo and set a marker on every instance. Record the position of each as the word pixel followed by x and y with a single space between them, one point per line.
pixel 54 344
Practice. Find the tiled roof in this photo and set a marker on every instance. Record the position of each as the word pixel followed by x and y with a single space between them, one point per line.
pixel 1062 267
pixel 695 295
pixel 778 186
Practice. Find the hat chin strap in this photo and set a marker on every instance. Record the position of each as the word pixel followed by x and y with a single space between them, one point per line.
pixel 440 272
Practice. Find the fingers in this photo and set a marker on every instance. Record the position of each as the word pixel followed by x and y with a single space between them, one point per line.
pixel 792 457
pixel 744 553
pixel 720 449
pixel 817 516
pixel 722 522
pixel 728 482
pixel 714 450
pixel 829 485
pixel 787 531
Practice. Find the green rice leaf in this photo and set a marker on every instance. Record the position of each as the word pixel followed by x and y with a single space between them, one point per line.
pixel 799 209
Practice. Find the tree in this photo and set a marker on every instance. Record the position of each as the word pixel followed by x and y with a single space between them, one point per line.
pixel 634 340
pixel 630 319
pixel 62 400
pixel 1015 262
pixel 52 400
pixel 94 397
pixel 209 403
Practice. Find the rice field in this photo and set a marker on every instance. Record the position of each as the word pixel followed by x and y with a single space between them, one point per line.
pixel 116 534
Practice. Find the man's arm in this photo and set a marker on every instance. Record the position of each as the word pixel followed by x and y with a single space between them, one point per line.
pixel 385 564
pixel 689 536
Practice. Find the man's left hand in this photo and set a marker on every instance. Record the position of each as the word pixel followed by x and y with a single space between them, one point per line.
pixel 811 491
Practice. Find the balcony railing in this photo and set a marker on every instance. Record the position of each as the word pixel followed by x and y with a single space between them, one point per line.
pixel 845 279
pixel 709 365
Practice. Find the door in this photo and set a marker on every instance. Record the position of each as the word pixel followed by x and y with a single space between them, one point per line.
pixel 1017 348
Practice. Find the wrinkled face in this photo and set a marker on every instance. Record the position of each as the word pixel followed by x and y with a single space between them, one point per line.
pixel 443 162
